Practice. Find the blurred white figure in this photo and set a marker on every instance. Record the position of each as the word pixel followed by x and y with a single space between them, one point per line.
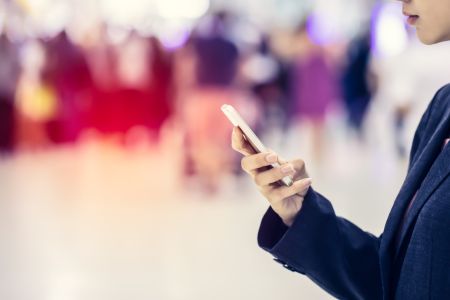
pixel 36 100
pixel 407 82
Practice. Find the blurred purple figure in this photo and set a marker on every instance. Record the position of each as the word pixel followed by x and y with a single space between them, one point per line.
pixel 314 87
pixel 9 76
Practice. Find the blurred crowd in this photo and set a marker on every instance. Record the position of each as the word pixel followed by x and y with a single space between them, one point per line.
pixel 54 90
pixel 129 87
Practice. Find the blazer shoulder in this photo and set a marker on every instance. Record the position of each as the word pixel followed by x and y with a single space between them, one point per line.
pixel 443 97
pixel 437 108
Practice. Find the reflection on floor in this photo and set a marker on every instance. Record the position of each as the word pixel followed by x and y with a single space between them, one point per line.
pixel 96 221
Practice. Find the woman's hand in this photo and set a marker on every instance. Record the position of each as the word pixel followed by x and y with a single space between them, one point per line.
pixel 285 201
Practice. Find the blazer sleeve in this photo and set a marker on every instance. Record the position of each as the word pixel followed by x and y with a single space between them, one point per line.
pixel 337 255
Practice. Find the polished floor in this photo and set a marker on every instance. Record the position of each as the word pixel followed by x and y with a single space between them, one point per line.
pixel 97 221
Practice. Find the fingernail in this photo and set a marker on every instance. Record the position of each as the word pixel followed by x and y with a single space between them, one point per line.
pixel 287 169
pixel 272 157
pixel 308 181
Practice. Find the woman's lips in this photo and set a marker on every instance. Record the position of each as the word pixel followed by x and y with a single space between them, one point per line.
pixel 412 20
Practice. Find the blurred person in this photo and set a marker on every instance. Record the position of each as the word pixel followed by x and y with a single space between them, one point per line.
pixel 140 101
pixel 217 55
pixel 9 75
pixel 67 72
pixel 36 100
pixel 268 78
pixel 406 81
pixel 314 87
pixel 356 88
pixel 161 85
pixel 101 57
pixel 410 259
pixel 133 83
pixel 215 58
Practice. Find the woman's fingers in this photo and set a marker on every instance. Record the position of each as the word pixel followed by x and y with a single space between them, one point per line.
pixel 260 167
pixel 280 193
pixel 300 169
pixel 254 162
pixel 273 175
pixel 240 144
pixel 299 165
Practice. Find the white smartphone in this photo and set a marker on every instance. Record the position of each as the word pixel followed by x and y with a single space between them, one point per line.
pixel 236 119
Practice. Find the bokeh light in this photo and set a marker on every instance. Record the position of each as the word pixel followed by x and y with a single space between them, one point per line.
pixel 390 34
pixel 179 9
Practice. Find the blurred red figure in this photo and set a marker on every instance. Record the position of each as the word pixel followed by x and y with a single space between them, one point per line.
pixel 144 86
pixel 68 73
pixel 9 76
pixel 133 92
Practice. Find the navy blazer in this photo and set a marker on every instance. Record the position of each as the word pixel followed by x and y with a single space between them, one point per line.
pixel 411 263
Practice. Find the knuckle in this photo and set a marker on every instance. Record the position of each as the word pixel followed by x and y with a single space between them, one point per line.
pixel 298 191
pixel 279 171
pixel 298 188
pixel 259 161
pixel 284 193
pixel 236 144
pixel 290 191
pixel 300 164
pixel 233 143
pixel 262 159
pixel 244 164
pixel 258 180
pixel 278 195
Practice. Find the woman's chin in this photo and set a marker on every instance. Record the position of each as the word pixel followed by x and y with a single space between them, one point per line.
pixel 430 39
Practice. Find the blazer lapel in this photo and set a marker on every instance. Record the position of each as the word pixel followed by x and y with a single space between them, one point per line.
pixel 438 172
pixel 406 193
pixel 411 185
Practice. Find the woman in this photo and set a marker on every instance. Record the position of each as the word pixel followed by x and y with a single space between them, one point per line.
pixel 411 259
